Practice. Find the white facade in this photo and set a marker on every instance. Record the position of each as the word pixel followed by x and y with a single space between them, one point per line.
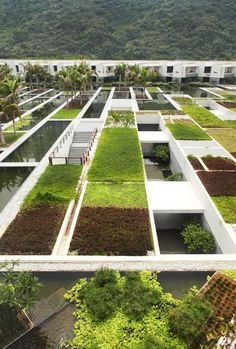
pixel 213 71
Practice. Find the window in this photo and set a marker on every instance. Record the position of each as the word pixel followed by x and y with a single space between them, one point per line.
pixel 207 70
pixel 55 68
pixel 17 68
pixel 170 69
pixel 93 67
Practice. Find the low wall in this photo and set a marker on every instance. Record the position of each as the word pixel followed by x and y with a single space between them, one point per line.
pixel 223 235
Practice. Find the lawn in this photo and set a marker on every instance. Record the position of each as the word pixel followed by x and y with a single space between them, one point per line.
pixel 232 123
pixel 66 114
pixel 227 138
pixel 227 207
pixel 21 123
pixel 118 157
pixel 115 195
pixel 57 184
pixel 152 89
pixel 10 138
pixel 231 98
pixel 188 132
pixel 203 116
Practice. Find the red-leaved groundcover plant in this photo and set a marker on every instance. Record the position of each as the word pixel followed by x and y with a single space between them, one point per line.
pixel 112 231
pixel 219 183
pixel 33 231
pixel 219 163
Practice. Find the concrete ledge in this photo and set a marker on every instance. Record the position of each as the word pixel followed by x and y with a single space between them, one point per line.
pixel 92 263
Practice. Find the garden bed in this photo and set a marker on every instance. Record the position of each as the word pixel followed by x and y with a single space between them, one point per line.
pixel 11 137
pixel 126 195
pixel 36 226
pixel 202 116
pixel 187 132
pixel 227 138
pixel 219 183
pixel 220 292
pixel 227 207
pixel 118 157
pixel 195 163
pixel 219 163
pixel 66 114
pixel 78 103
pixel 228 105
pixel 33 231
pixel 112 231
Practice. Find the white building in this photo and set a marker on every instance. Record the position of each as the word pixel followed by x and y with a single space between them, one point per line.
pixel 181 71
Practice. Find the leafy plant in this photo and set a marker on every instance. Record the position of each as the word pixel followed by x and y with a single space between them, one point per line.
pixel 162 153
pixel 138 298
pixel 187 319
pixel 175 177
pixel 197 239
pixel 18 290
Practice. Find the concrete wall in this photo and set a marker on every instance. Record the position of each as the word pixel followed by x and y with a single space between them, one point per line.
pixel 223 235
pixel 173 221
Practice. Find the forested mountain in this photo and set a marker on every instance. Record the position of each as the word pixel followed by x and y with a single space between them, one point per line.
pixel 118 29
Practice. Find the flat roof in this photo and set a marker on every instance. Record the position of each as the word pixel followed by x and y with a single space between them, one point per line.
pixel 173 197
pixel 153 137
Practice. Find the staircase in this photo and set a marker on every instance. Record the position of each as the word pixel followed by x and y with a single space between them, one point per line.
pixel 78 146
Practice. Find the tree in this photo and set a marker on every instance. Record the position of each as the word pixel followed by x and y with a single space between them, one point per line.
pixel 9 92
pixel 18 289
pixel 2 139
pixel 64 79
pixel 76 78
pixel 5 72
pixel 36 74
pixel 121 71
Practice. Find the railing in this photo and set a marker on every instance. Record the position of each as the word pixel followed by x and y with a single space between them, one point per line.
pixel 83 159
pixel 62 141
pixel 66 158
pixel 89 146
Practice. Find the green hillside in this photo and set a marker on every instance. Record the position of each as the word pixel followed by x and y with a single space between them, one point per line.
pixel 119 29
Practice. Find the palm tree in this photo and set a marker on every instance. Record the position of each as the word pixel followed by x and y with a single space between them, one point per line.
pixel 121 71
pixel 30 73
pixel 9 92
pixel 35 73
pixel 134 74
pixel 11 110
pixel 2 139
pixel 64 79
pixel 5 72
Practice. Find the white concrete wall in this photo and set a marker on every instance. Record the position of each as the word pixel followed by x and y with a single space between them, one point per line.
pixel 224 237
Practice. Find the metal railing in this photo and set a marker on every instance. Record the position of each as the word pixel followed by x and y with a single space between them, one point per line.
pixel 83 159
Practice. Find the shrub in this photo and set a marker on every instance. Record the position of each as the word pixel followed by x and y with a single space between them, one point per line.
pixel 197 239
pixel 175 177
pixel 121 118
pixel 162 153
pixel 138 299
pixel 189 316
pixel 102 295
